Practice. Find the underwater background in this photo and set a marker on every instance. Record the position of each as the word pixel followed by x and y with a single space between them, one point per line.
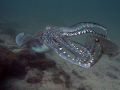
pixel 31 16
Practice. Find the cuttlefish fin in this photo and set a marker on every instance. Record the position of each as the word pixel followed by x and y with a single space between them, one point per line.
pixel 22 39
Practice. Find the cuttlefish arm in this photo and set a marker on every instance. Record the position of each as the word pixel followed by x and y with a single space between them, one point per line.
pixel 82 25
pixel 82 56
pixel 83 31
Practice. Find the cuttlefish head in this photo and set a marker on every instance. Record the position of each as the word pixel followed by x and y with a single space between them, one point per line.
pixel 108 46
pixel 31 42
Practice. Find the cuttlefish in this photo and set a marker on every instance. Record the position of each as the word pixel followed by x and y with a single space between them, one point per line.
pixel 57 39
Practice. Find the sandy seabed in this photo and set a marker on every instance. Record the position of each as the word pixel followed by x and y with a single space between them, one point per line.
pixel 105 75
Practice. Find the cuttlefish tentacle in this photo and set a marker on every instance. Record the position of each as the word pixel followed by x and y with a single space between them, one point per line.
pixel 70 45
pixel 82 31
pixel 59 49
pixel 57 45
pixel 95 52
pixel 95 49
pixel 82 53
pixel 80 26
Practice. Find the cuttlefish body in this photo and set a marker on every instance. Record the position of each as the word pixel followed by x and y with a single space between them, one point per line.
pixel 57 39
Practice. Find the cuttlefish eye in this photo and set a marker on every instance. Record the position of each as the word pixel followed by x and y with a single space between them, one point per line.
pixel 97 40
